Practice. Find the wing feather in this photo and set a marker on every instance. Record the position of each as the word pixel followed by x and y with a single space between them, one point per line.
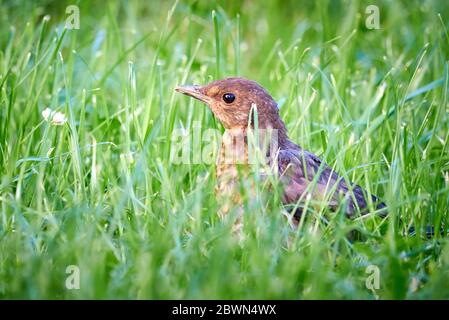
pixel 298 169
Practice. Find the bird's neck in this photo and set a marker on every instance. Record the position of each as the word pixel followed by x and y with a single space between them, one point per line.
pixel 271 136
pixel 277 126
pixel 283 139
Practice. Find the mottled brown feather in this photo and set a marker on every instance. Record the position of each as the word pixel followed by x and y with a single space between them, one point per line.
pixel 300 171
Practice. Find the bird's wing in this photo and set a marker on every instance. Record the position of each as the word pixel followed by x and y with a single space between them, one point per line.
pixel 298 170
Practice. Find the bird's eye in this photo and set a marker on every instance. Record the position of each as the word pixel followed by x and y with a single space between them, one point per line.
pixel 228 97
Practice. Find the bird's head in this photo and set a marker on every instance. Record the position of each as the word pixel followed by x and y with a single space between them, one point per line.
pixel 232 99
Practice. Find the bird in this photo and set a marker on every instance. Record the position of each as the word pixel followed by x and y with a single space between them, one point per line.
pixel 302 174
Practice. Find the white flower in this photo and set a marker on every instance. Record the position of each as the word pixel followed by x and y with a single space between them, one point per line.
pixel 57 118
pixel 46 113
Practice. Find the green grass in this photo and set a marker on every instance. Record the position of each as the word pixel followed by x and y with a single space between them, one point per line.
pixel 101 192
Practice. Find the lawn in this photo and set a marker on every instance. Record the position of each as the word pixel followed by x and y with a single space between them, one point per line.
pixel 93 204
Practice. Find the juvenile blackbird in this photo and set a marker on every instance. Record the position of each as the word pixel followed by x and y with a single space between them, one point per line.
pixel 232 101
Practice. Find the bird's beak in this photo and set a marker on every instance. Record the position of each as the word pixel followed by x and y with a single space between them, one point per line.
pixel 195 92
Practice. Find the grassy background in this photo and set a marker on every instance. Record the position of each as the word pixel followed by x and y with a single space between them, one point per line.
pixel 101 191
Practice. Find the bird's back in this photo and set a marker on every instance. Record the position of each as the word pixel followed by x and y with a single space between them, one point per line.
pixel 305 175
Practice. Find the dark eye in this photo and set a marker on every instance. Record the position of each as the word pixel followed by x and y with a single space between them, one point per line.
pixel 228 97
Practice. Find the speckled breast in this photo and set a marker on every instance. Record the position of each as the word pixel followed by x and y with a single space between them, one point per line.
pixel 232 170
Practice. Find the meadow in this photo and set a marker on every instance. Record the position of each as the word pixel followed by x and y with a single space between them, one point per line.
pixel 89 190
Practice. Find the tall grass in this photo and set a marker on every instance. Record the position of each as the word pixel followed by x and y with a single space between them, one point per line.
pixel 101 192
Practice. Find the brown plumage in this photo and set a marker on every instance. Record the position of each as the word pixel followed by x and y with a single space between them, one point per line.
pixel 231 100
